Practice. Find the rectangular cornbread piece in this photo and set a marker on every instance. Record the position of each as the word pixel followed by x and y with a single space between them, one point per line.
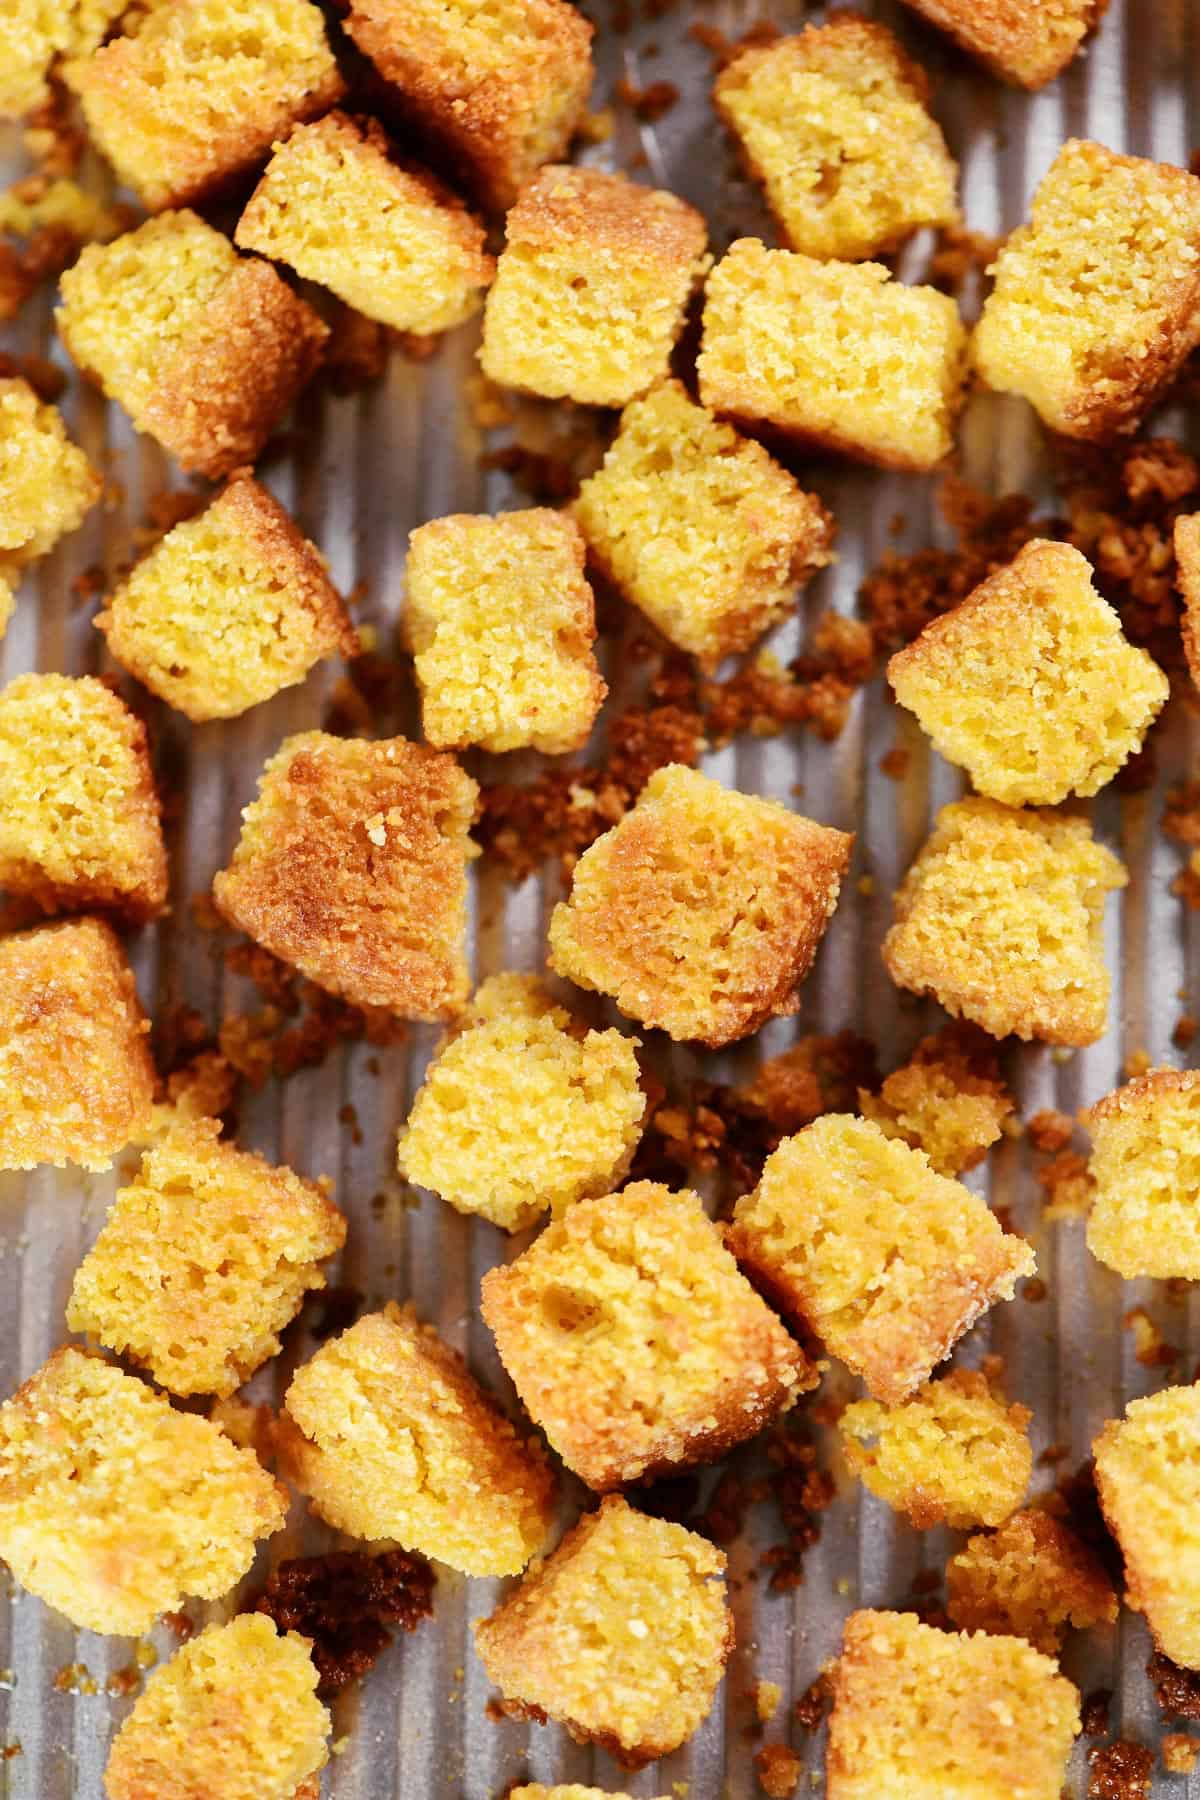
pixel 949 1099
pixel 1026 42
pixel 1144 1218
pixel 32 38
pixel 1033 1579
pixel 47 484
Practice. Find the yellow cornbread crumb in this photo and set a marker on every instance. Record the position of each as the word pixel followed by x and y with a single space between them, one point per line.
pixel 1145 1165
pixel 8 602
pixel 46 482
pixel 34 34
pixel 1187 576
pixel 1033 1578
pixel 948 1100
pixel 1027 42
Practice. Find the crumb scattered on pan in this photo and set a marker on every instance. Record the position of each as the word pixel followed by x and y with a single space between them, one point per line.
pixel 779 1770
pixel 1119 1771
pixel 344 1602
pixel 1180 1753
pixel 1149 1346
pixel 1176 1690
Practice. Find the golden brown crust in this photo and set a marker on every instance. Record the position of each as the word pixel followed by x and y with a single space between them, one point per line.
pixel 278 540
pixel 1033 1578
pixel 1027 42
pixel 1187 562
pixel 601 211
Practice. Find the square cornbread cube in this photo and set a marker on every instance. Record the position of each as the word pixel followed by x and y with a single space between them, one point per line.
pixel 1096 302
pixel 1026 42
pixel 621 1635
pixel 47 483
pixel 523 1109
pixel 114 1507
pixel 1033 1578
pixel 228 608
pixel 1187 577
pixel 193 96
pixel 834 123
pixel 948 1099
pixel 853 1235
pixel 34 35
pixel 502 622
pixel 234 1712
pixel 634 1340
pixel 352 866
pixel 701 911
pixel 1001 918
pixel 1145 1166
pixel 390 1436
pixel 832 355
pixel 699 527
pixel 591 287
pixel 204 349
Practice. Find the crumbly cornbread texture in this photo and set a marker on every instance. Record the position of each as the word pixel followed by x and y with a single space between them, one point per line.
pixel 922 1714
pixel 388 240
pixel 1032 1579
pixel 229 608
pixel 523 1109
pixel 390 1436
pixel 47 483
pixel 699 527
pixel 1001 917
pixel 114 1507
pixel 1187 576
pixel 621 1634
pixel 33 35
pixel 204 349
pixel 1145 1165
pixel 853 1235
pixel 833 355
pixel 234 1712
pixel 1096 302
pixel 1027 42
pixel 834 123
pixel 351 865
pixel 701 911
pixel 948 1099
pixel 572 1791
pixel 8 602
pixel 591 287
pixel 502 623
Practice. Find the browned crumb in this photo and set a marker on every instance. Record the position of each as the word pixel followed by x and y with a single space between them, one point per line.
pixel 1150 1348
pixel 1094 1716
pixel 724 1518
pixel 1120 1771
pixel 1180 1753
pixel 649 104
pixel 53 135
pixel 1050 1131
pixel 181 1625
pixel 343 1602
pixel 1035 1290
pixel 813 1704
pixel 1181 822
pixel 1176 1690
pixel 1075 1501
pixel 365 696
pixel 42 233
pixel 949 1099
pixel 778 1769
pixel 1067 1185
pixel 960 256
pixel 814 690
pixel 356 351
pixel 1184 1034
pixel 300 1024
pixel 894 763
pixel 723 49
pixel 45 377
pixel 802 1491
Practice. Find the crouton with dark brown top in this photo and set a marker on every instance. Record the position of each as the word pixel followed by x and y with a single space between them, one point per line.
pixel 1027 42
pixel 1033 1578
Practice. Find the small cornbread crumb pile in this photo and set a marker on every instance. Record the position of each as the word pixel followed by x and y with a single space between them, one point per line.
pixel 114 1507
pixel 1096 302
pixel 1001 917
pixel 948 1099
pixel 634 1340
pixel 837 356
pixel 591 287
pixel 46 482
pixel 234 1712
pixel 834 124
pixel 79 814
pixel 1187 576
pixel 502 623
pixel 921 1714
pixel 701 912
pixel 204 349
pixel 1027 42
pixel 522 1109
pixel 229 608
pixel 853 1235
pixel 390 1436
pixel 1033 1578
pixel 699 527
pixel 351 865
pixel 621 1635
pixel 1030 684
pixel 388 240
pixel 1145 1166
pixel 33 35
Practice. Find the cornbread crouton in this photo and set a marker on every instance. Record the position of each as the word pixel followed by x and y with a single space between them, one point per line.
pixel 1145 1165
pixel 1001 917
pixel 922 1714
pixel 852 1234
pixel 833 355
pixel 634 1340
pixel 390 1436
pixel 502 623
pixel 1096 302
pixel 699 527
pixel 591 287
pixel 114 1507
pixel 948 1099
pixel 34 35
pixel 523 1109
pixel 621 1635
pixel 236 1706
pixel 79 815
pixel 204 349
pixel 701 911
pixel 1026 42
pixel 834 124
pixel 1187 575
pixel 228 608
pixel 390 241
pixel 1033 1578
pixel 352 865
pixel 47 483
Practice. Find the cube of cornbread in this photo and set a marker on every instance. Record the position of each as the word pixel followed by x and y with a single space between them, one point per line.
pixel 1145 1164
pixel 634 1340
pixel 1033 1578
pixel 699 527
pixel 853 1235
pixel 34 35
pixel 204 349
pixel 228 608
pixel 948 1099
pixel 922 1714
pixel 591 287
pixel 46 482
pixel 834 124
pixel 114 1507
pixel 352 866
pixel 502 623
pixel 1027 42
pixel 390 1436
pixel 621 1634
pixel 79 814
pixel 523 1109
pixel 1001 917
pixel 1096 302
pixel 832 355
pixel 701 911
pixel 1187 576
